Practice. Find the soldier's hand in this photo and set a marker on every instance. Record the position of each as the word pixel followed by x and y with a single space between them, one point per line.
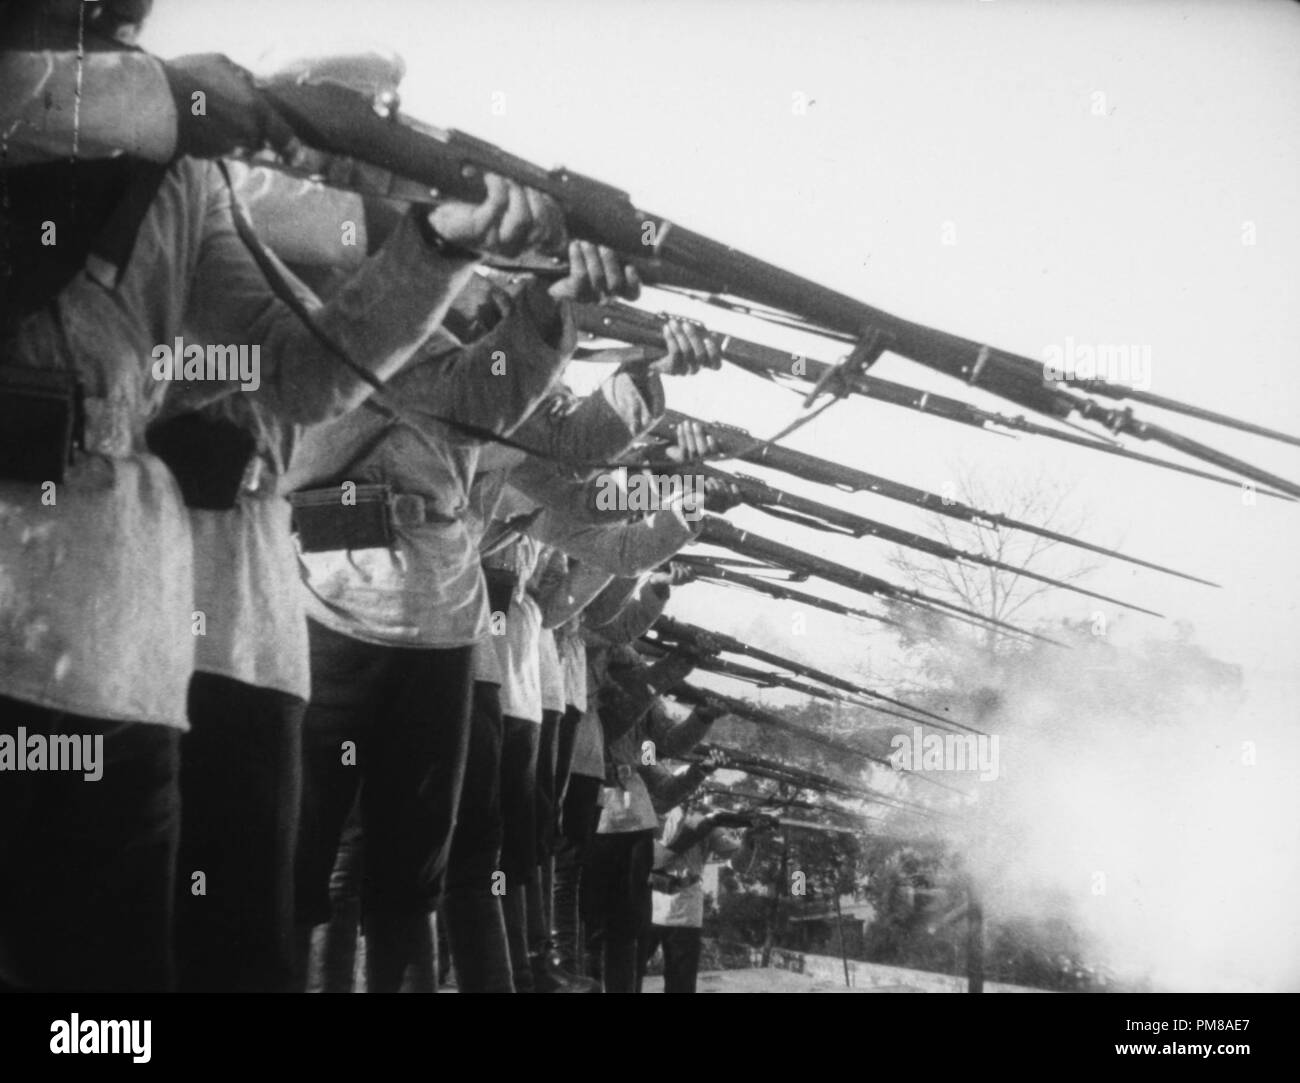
pixel 720 496
pixel 714 530
pixel 689 348
pixel 680 574
pixel 692 444
pixel 596 272
pixel 715 758
pixel 512 219
pixel 560 405
pixel 706 644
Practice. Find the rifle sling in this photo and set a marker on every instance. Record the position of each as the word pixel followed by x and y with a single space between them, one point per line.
pixel 380 400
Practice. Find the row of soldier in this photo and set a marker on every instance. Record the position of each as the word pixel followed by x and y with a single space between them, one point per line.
pixel 355 657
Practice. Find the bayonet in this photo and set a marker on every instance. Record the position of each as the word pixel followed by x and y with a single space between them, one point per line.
pixel 719 531
pixel 739 444
pixel 626 323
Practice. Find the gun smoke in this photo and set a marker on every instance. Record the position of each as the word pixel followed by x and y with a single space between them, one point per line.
pixel 1145 799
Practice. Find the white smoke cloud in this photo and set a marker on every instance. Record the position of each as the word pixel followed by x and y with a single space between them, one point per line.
pixel 1169 837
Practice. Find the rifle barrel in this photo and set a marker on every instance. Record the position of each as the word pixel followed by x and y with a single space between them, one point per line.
pixel 682 632
pixel 788 775
pixel 766 498
pixel 744 541
pixel 709 568
pixel 615 319
pixel 739 444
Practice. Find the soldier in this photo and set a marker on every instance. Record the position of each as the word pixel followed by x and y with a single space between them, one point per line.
pixel 146 254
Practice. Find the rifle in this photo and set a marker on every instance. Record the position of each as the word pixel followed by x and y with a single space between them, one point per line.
pixel 667 630
pixel 755 818
pixel 763 678
pixel 713 569
pixel 768 801
pixel 803 779
pixel 799 509
pixel 737 443
pixel 428 163
pixel 711 294
pixel 695 696
pixel 719 531
pixel 626 323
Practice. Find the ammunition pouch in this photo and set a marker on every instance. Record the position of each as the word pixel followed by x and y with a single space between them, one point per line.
pixel 367 520
pixel 324 522
pixel 42 422
pixel 208 456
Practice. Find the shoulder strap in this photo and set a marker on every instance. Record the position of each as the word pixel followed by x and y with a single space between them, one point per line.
pixel 111 250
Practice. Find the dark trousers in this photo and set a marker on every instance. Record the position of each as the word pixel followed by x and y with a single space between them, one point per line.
pixel 472 912
pixel 579 815
pixel 393 723
pixel 548 784
pixel 241 782
pixel 338 948
pixel 616 905
pixel 549 788
pixel 519 798
pixel 568 730
pixel 87 868
pixel 681 946
pixel 519 843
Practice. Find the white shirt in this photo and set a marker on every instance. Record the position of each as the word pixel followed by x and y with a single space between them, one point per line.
pixel 685 908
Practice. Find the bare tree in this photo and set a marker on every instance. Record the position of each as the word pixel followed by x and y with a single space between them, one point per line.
pixel 995 592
